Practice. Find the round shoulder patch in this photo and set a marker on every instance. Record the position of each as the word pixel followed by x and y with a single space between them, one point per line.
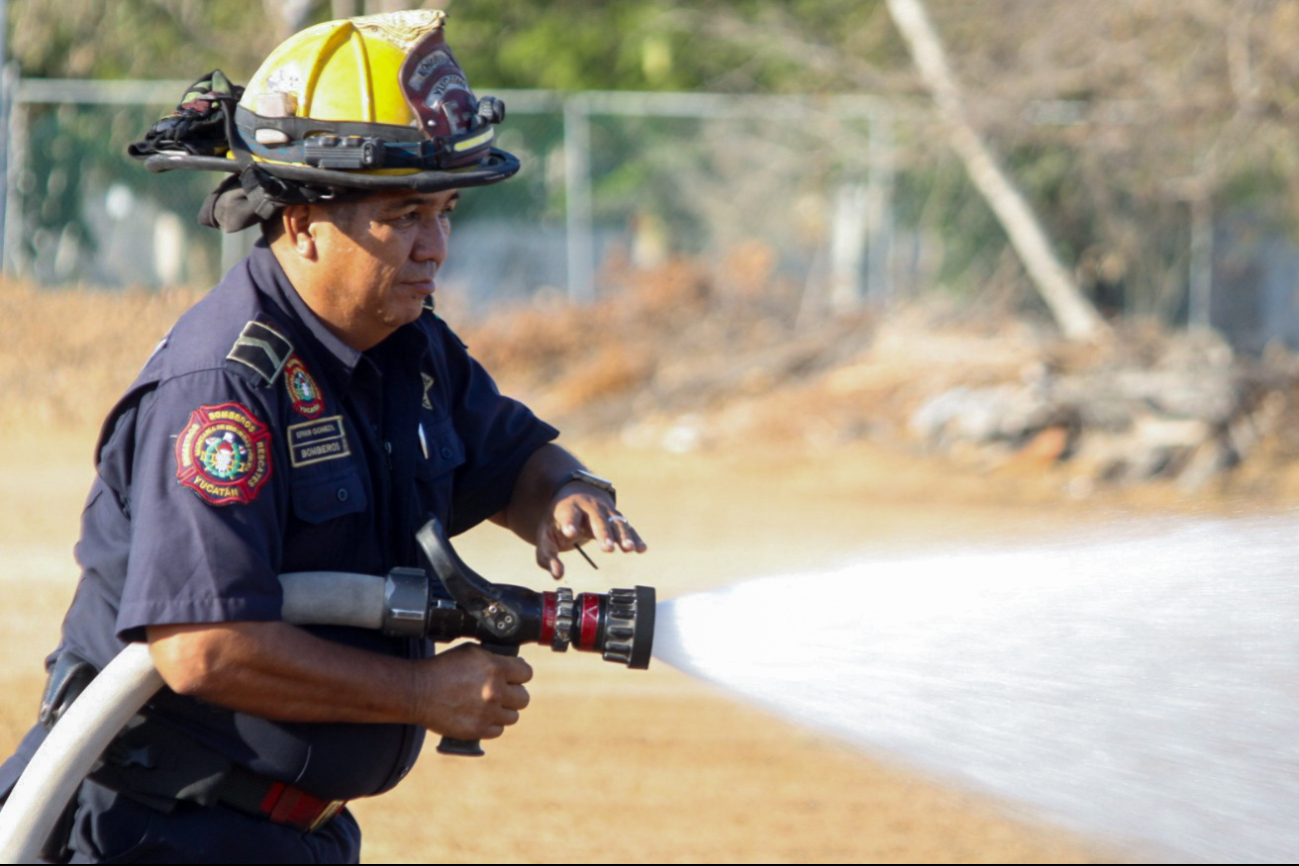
pixel 224 454
pixel 303 390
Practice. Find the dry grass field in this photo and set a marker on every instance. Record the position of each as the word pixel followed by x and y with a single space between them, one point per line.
pixel 607 764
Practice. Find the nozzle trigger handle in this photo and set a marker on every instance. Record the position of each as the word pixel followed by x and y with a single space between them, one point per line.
pixel 473 748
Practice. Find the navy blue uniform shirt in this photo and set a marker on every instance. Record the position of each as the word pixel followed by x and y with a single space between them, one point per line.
pixel 255 443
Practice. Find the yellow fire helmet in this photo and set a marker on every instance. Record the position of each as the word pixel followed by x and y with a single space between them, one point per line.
pixel 377 102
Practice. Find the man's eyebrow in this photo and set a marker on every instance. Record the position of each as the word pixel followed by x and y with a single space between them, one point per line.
pixel 416 200
pixel 404 202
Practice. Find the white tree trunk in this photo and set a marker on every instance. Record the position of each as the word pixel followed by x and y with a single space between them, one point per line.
pixel 1077 318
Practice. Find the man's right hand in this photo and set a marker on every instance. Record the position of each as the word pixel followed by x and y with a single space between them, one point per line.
pixel 472 694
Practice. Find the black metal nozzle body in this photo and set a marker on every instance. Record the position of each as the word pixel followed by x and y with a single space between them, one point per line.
pixel 619 624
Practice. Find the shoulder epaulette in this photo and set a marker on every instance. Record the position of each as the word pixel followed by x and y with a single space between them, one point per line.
pixel 263 348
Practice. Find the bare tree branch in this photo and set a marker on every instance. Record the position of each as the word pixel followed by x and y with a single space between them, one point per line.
pixel 1077 318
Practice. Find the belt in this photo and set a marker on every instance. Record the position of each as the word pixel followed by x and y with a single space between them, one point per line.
pixel 157 766
pixel 277 802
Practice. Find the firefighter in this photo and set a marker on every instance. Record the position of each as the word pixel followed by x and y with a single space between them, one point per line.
pixel 310 413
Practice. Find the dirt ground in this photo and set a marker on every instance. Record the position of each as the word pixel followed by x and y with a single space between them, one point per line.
pixel 607 764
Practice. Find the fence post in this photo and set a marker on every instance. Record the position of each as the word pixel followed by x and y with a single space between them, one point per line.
pixel 6 103
pixel 848 244
pixel 577 189
pixel 236 245
pixel 1200 305
pixel 6 99
pixel 880 176
pixel 15 154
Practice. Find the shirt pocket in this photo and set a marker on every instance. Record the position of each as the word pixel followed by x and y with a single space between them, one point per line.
pixel 443 453
pixel 317 500
pixel 443 449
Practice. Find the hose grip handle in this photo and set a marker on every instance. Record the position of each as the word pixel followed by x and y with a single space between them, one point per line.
pixel 473 748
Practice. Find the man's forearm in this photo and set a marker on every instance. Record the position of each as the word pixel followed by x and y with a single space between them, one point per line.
pixel 278 671
pixel 539 480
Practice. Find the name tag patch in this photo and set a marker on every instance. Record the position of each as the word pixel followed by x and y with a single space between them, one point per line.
pixel 318 441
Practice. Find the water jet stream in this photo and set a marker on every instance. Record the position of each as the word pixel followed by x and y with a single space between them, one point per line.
pixel 1143 685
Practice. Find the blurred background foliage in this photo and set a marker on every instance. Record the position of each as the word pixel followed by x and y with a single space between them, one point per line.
pixel 550 44
pixel 1118 120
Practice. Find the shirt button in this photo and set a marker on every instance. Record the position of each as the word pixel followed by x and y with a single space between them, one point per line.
pixel 446 453
pixel 342 494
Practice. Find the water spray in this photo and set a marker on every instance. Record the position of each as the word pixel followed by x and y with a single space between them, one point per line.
pixel 1140 685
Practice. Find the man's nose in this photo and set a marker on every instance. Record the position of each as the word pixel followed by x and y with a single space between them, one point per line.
pixel 431 245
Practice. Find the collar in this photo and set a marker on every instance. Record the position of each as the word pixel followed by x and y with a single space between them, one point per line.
pixel 271 280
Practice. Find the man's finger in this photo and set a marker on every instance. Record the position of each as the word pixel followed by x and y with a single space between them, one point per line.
pixel 548 553
pixel 555 566
pixel 516 698
pixel 517 671
pixel 569 522
pixel 600 528
pixel 627 537
pixel 618 530
pixel 623 535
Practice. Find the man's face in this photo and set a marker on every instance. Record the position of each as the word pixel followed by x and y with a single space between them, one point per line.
pixel 380 257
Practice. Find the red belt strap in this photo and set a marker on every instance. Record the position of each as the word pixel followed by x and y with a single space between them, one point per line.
pixel 285 804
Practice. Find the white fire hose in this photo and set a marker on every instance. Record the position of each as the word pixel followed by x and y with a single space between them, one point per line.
pixel 117 693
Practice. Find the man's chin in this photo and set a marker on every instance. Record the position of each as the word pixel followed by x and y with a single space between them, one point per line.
pixel 407 311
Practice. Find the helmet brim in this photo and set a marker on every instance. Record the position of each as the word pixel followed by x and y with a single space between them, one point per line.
pixel 499 165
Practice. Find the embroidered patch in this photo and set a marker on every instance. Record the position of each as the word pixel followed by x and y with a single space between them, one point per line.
pixel 303 390
pixel 428 383
pixel 224 454
pixel 318 441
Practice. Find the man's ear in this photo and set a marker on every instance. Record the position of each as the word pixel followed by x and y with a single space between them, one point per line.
pixel 298 230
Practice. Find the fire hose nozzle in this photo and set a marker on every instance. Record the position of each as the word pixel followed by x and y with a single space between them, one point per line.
pixel 619 624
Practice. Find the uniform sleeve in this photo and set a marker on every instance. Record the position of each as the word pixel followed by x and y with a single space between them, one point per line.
pixel 207 502
pixel 499 435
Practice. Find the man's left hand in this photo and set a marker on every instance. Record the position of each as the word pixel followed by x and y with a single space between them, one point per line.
pixel 578 514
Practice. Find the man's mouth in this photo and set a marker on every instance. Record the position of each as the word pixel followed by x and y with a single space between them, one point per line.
pixel 423 287
pixel 423 283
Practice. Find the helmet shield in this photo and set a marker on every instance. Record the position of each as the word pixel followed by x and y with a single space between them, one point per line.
pixel 438 94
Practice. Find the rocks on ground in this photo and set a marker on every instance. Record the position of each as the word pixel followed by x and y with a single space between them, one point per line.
pixel 675 361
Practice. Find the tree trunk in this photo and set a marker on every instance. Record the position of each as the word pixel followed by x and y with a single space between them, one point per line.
pixel 1076 316
pixel 287 16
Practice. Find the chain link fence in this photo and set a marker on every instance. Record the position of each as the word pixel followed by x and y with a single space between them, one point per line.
pixel 798 189
pixel 833 202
